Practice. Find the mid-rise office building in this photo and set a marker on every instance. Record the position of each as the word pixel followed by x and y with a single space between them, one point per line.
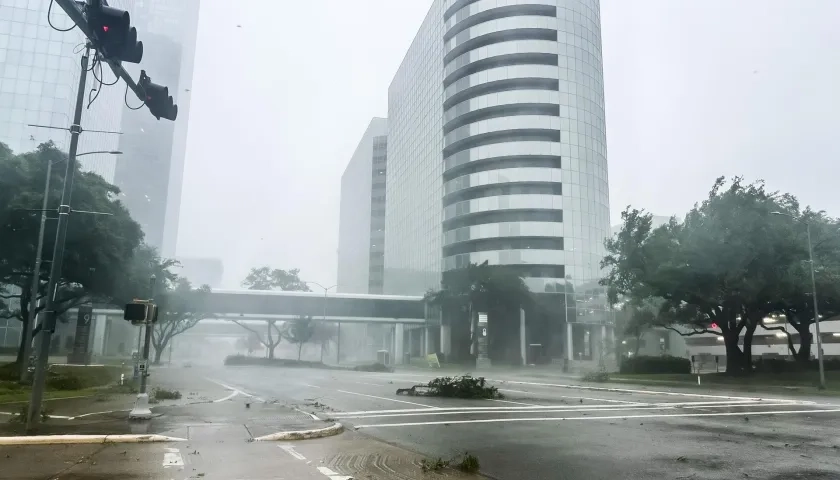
pixel 497 152
pixel 361 248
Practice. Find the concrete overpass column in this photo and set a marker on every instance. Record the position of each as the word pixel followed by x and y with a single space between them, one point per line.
pixel 428 348
pixel 399 343
pixel 569 343
pixel 99 323
pixel 446 339
pixel 523 352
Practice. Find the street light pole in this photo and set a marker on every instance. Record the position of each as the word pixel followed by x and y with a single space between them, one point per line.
pixel 816 309
pixel 338 342
pixel 814 294
pixel 34 411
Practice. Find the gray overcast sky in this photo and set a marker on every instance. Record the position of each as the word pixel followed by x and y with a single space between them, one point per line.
pixel 694 89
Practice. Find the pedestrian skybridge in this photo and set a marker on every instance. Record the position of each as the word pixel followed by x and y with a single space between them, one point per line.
pixel 337 307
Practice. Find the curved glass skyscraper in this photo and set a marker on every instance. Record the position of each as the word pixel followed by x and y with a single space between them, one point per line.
pixel 497 152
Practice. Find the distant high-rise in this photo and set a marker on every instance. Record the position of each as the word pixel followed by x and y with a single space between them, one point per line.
pixel 361 236
pixel 151 172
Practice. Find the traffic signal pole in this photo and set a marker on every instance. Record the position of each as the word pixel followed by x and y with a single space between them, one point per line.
pixel 141 410
pixel 49 314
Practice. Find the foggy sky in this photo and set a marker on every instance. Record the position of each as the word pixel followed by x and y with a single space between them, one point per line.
pixel 695 89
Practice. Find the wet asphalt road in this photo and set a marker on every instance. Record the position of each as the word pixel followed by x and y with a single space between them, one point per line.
pixel 552 429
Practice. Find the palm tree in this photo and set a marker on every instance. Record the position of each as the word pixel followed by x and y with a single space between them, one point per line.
pixel 476 288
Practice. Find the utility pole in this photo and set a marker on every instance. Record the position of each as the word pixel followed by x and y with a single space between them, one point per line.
pixel 49 319
pixel 36 283
pixel 816 310
pixel 338 343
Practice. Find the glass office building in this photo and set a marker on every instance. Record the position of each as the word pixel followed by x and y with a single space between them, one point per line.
pixel 39 77
pixel 497 152
pixel 361 230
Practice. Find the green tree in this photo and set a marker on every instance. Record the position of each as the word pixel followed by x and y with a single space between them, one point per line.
pixel 301 331
pixel 180 308
pixel 266 278
pixel 496 290
pixel 725 264
pixel 97 248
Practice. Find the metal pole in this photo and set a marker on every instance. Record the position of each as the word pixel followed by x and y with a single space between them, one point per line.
pixel 816 310
pixel 325 323
pixel 34 414
pixel 146 346
pixel 338 345
pixel 36 283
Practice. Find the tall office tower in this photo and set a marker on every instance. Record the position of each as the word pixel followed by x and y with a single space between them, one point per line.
pixel 361 232
pixel 151 172
pixel 497 153
pixel 39 77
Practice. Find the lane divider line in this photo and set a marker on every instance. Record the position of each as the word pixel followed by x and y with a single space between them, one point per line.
pixel 388 399
pixel 611 417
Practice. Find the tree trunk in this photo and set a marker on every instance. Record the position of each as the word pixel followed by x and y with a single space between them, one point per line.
pixel 271 351
pixel 734 361
pixel 158 354
pixel 805 341
pixel 20 358
pixel 300 348
pixel 638 345
pixel 748 341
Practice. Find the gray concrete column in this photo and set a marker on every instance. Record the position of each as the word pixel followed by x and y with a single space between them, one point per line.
pixel 446 339
pixel 569 343
pixel 523 352
pixel 98 344
pixel 399 343
pixel 427 341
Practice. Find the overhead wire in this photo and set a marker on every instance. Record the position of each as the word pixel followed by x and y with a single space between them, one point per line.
pixel 49 20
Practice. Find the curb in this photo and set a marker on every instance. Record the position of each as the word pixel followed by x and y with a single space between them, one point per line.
pixel 333 429
pixel 79 439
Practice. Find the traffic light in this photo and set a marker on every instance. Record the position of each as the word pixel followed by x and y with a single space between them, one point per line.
pixel 116 38
pixel 140 312
pixel 158 100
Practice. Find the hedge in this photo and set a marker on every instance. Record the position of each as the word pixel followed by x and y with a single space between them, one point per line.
pixel 663 364
pixel 781 365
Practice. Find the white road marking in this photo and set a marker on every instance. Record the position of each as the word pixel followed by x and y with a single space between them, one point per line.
pixel 609 400
pixel 172 458
pixel 94 413
pixel 388 399
pixel 625 390
pixel 607 408
pixel 311 415
pixel 333 475
pixel 240 391
pixel 371 384
pixel 611 417
pixel 515 403
pixel 564 406
pixel 291 451
pixel 235 393
pixel 309 385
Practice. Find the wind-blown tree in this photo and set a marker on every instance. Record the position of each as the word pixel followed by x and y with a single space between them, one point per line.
pixel 180 308
pixel 266 278
pixel 794 293
pixel 97 248
pixel 496 290
pixel 300 332
pixel 723 265
pixel 324 333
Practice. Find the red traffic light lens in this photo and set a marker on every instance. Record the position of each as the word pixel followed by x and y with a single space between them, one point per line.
pixel 714 325
pixel 105 28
